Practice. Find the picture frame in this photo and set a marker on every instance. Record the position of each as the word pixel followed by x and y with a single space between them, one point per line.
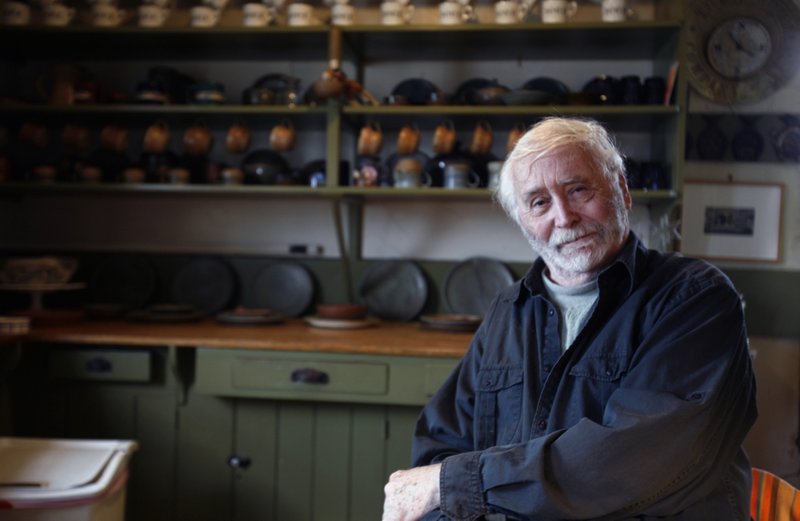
pixel 732 221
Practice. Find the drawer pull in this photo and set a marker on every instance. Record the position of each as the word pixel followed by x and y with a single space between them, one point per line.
pixel 309 376
pixel 238 462
pixel 99 365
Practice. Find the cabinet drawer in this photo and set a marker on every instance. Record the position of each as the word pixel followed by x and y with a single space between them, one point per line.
pixel 309 376
pixel 331 377
pixel 101 364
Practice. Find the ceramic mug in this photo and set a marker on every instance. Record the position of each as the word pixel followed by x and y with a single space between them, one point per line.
pixel 558 11
pixel 178 175
pixel 451 12
pixel 615 11
pixel 444 137
pixel 156 138
pixel 34 134
pixel 231 176
pixel 44 173
pixel 482 138
pixel 152 15
pixel 90 174
pixel 76 137
pixel 106 15
pixel 370 139
pixel 494 168
pixel 508 12
pixel 460 175
pixel 197 139
pixel 237 140
pixel 133 175
pixel 16 13
pixel 409 173
pixel 114 138
pixel 282 136
pixel 256 15
pixel 396 13
pixel 58 14
pixel 343 14
pixel 516 132
pixel 204 16
pixel 408 139
pixel 300 14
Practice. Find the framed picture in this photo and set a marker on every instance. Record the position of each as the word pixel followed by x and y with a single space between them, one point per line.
pixel 732 221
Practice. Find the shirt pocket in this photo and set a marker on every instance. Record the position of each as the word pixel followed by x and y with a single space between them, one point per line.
pixel 596 378
pixel 498 405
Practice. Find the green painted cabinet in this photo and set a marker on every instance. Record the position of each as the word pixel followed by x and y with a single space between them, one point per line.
pixel 275 435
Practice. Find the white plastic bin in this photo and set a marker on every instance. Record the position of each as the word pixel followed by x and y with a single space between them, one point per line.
pixel 63 480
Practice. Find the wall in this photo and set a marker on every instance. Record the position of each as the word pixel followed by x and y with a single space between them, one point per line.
pixel 770 289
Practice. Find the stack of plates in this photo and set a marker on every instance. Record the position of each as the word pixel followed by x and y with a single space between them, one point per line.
pixel 250 317
pixel 450 322
pixel 340 323
pixel 167 313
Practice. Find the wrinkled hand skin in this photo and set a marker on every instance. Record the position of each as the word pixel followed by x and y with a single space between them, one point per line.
pixel 412 493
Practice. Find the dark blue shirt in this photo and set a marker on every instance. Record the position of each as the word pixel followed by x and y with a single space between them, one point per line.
pixel 641 418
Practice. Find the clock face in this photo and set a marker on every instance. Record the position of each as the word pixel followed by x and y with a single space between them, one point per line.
pixel 740 51
pixel 739 47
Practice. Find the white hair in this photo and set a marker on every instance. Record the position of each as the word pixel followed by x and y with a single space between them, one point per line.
pixel 552 133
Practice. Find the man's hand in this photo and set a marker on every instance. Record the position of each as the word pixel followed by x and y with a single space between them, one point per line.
pixel 412 493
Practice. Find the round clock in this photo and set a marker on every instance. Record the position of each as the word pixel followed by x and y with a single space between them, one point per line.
pixel 740 51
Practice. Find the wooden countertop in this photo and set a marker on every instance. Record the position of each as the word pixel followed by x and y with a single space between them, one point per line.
pixel 386 338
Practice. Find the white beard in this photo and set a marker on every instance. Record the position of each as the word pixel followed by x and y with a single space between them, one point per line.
pixel 585 259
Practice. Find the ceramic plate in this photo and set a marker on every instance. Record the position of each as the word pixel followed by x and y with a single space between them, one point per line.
pixel 127 280
pixel 147 315
pixel 471 285
pixel 450 322
pixel 286 287
pixel 393 290
pixel 338 323
pixel 205 283
pixel 250 317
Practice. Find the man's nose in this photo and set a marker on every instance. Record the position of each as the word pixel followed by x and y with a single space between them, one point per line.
pixel 565 215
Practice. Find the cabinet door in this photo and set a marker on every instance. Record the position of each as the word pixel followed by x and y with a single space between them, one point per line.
pixel 48 406
pixel 243 459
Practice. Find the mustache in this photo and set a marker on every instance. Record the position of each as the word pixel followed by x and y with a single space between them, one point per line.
pixel 560 237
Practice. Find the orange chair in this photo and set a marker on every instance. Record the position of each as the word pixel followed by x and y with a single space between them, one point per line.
pixel 773 499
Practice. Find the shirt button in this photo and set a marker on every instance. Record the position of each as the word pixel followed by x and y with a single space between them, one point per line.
pixel 551 312
pixel 542 424
pixel 547 368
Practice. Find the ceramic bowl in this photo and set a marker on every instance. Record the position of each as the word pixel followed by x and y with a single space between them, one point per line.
pixel 342 311
pixel 38 270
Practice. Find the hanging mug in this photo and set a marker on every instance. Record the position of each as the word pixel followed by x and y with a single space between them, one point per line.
pixel 444 137
pixel 76 137
pixel 197 139
pixel 237 140
pixel 114 138
pixel 408 139
pixel 370 139
pixel 516 132
pixel 282 136
pixel 482 138
pixel 156 138
pixel 34 134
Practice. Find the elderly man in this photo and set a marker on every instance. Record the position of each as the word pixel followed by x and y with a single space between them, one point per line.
pixel 611 382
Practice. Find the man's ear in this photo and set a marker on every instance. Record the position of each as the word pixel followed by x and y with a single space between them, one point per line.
pixel 626 195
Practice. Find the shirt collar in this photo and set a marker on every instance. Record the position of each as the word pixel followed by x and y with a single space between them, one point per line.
pixel 621 273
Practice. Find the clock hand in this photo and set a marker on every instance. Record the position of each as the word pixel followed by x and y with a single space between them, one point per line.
pixel 738 44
